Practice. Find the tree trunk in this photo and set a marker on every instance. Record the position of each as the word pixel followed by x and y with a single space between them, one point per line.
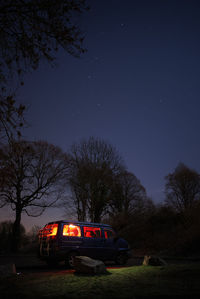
pixel 16 232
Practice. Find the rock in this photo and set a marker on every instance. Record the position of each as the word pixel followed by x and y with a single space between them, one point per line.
pixel 7 269
pixel 153 261
pixel 86 265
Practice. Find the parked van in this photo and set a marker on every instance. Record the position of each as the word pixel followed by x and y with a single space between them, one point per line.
pixel 62 240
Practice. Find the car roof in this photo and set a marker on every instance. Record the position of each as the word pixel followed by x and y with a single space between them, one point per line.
pixel 81 223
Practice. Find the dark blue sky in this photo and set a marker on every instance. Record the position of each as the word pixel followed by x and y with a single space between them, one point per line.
pixel 137 87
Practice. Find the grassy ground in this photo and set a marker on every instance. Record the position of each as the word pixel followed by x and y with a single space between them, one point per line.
pixel 131 282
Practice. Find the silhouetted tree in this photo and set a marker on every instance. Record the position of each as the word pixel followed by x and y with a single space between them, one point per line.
pixel 34 29
pixel 129 204
pixel 11 118
pixel 182 188
pixel 132 225
pixel 32 178
pixel 127 193
pixel 33 234
pixel 6 233
pixel 94 163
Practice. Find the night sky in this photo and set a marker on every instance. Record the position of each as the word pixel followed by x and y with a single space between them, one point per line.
pixel 137 87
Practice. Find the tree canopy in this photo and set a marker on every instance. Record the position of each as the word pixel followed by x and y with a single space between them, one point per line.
pixel 32 30
pixel 127 193
pixel 11 117
pixel 182 188
pixel 32 178
pixel 35 29
pixel 93 163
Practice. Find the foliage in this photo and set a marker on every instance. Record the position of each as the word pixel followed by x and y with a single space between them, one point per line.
pixel 32 178
pixel 134 226
pixel 159 229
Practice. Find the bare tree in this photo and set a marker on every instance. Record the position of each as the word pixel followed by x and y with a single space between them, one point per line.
pixel 94 162
pixel 128 202
pixel 11 118
pixel 182 188
pixel 32 178
pixel 127 193
pixel 32 30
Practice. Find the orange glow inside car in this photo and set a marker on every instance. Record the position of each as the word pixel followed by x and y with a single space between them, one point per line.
pixel 54 230
pixel 71 230
pixel 109 234
pixel 92 232
pixel 49 230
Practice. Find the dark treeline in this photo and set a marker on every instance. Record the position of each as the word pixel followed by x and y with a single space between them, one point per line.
pixel 91 183
pixel 171 227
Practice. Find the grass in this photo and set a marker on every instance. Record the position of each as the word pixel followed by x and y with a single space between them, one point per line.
pixel 131 282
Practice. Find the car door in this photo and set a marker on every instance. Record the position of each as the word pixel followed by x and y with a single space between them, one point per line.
pixel 71 237
pixel 110 246
pixel 92 242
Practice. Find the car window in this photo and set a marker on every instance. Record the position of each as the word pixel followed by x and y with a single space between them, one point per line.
pixel 109 234
pixel 71 230
pixel 49 230
pixel 92 232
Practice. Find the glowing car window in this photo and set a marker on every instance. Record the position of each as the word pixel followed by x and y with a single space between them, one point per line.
pixel 109 234
pixel 49 230
pixel 92 232
pixel 71 230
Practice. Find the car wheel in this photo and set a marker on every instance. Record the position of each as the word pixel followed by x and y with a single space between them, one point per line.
pixel 121 259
